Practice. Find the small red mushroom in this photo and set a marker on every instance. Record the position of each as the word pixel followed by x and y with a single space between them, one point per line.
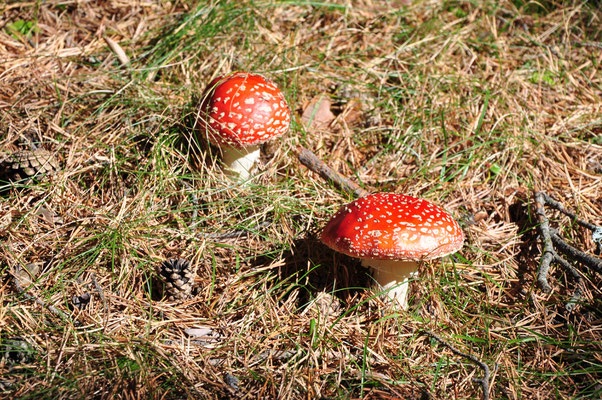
pixel 390 233
pixel 239 112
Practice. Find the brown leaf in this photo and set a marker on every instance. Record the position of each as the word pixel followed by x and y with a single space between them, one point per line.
pixel 317 114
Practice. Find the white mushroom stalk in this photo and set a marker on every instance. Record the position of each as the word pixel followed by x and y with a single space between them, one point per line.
pixel 393 277
pixel 238 162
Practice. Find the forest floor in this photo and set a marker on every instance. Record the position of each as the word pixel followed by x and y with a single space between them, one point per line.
pixel 474 106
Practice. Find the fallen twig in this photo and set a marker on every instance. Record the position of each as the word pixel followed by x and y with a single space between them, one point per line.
pixel 22 291
pixel 483 381
pixel 548 248
pixel 311 161
pixel 194 342
pixel 558 206
pixel 553 242
pixel 587 260
pixel 597 45
pixel 570 305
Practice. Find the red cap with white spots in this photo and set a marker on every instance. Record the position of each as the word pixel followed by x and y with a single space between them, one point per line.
pixel 390 226
pixel 243 109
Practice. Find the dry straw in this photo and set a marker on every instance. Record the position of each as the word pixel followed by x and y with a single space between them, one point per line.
pixel 474 106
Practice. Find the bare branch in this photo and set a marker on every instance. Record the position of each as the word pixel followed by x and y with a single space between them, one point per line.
pixel 552 242
pixel 587 260
pixel 558 206
pixel 570 305
pixel 548 248
pixel 311 161
pixel 597 45
pixel 100 294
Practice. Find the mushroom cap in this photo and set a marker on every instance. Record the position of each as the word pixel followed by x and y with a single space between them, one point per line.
pixel 390 226
pixel 243 109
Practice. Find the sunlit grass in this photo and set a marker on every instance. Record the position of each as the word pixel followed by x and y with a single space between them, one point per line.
pixel 471 106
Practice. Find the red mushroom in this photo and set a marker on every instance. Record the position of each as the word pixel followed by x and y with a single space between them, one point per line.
pixel 390 233
pixel 239 112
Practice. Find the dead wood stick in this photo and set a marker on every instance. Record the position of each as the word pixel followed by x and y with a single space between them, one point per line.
pixel 597 45
pixel 595 229
pixel 587 260
pixel 195 202
pixel 570 305
pixel 22 291
pixel 311 161
pixel 553 242
pixel 483 381
pixel 551 238
pixel 558 206
pixel 546 237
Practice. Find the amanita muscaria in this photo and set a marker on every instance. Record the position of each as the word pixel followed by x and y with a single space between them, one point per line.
pixel 391 233
pixel 239 112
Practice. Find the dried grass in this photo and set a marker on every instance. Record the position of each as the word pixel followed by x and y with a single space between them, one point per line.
pixel 470 105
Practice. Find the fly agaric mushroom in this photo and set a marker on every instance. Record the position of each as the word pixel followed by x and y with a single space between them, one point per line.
pixel 390 233
pixel 239 112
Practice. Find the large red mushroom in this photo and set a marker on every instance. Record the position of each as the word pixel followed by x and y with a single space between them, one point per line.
pixel 239 112
pixel 391 233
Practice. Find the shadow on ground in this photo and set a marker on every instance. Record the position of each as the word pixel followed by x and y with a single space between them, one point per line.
pixel 315 268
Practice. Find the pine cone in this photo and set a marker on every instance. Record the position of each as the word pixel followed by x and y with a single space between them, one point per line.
pixel 178 276
pixel 27 164
pixel 15 350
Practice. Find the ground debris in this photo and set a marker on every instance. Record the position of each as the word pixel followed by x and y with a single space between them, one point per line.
pixel 459 102
pixel 317 114
pixel 552 241
pixel 178 276
pixel 25 165
pixel 483 381
pixel 15 350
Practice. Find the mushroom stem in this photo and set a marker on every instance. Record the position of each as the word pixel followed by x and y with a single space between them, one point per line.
pixel 394 277
pixel 239 161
